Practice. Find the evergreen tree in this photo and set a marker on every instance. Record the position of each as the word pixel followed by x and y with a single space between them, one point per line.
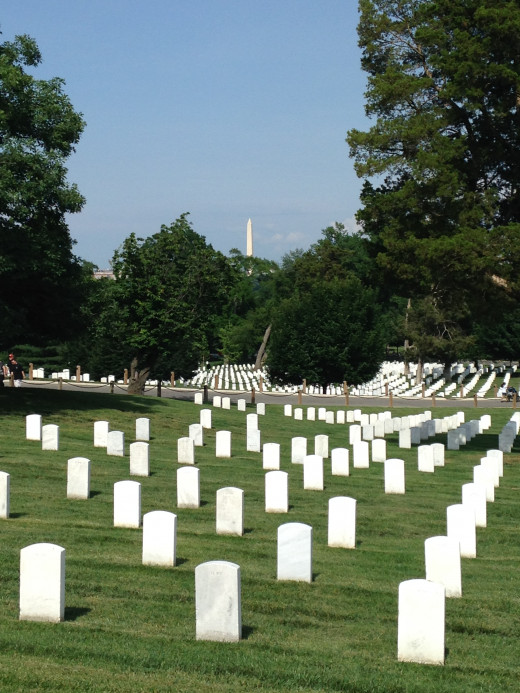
pixel 441 199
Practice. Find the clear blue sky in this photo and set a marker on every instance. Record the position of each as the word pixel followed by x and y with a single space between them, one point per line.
pixel 226 109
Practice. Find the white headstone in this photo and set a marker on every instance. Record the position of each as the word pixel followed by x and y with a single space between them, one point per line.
pixel 420 627
pixel 276 492
pixel 298 449
pixel 354 434
pixel 321 445
pixel 260 408
pixel 205 418
pixel 241 404
pixel 127 504
pixel 313 473
pixel 42 583
pixel 139 458
pixel 484 476
pixel 142 428
pixel 198 398
pixel 294 556
pixel 340 416
pixel 4 495
pixel 253 440
pixel 367 432
pixel 342 522
pixel 329 417
pixel 491 464
pixel 33 427
pixel 438 454
pixel 378 450
pixel 394 476
pixel 442 561
pixel 311 414
pixel 196 433
pixel 271 456
pixel 226 402
pixel 78 478
pixel 223 444
pixel 425 459
pixel 185 450
pixel 360 455
pixel 474 496
pixel 499 456
pixel 159 538
pixel 218 601
pixel 116 443
pixel 461 527
pixel 298 414
pixel 50 437
pixel 101 429
pixel 230 511
pixel 188 487
pixel 217 401
pixel 339 458
pixel 252 422
pixel 405 438
pixel 287 409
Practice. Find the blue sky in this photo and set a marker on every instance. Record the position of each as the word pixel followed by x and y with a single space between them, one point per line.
pixel 226 109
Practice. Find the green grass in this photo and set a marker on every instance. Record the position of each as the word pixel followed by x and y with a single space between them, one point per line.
pixel 130 627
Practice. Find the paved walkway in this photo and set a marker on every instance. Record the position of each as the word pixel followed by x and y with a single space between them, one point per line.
pixel 283 398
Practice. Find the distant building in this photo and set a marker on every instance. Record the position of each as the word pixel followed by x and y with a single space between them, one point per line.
pixel 104 274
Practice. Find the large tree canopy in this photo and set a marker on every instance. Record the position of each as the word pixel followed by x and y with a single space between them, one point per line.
pixel 328 334
pixel 39 275
pixel 169 292
pixel 443 206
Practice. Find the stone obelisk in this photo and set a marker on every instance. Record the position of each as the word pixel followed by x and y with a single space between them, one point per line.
pixel 249 239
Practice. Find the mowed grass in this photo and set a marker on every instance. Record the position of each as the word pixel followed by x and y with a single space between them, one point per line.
pixel 130 627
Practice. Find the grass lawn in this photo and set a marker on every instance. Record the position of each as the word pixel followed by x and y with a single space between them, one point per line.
pixel 130 627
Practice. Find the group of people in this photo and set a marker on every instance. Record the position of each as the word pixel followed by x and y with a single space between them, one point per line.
pixel 12 367
pixel 506 393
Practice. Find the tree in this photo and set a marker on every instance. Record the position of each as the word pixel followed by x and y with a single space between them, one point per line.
pixel 168 292
pixel 443 214
pixel 39 275
pixel 327 334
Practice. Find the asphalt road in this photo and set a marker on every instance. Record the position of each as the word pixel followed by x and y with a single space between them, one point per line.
pixel 282 398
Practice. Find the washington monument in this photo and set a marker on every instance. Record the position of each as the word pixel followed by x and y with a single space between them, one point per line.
pixel 249 239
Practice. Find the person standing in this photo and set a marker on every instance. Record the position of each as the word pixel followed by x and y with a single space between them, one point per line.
pixel 18 374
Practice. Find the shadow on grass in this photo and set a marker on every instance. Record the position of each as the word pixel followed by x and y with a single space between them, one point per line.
pixel 247 631
pixel 14 516
pixel 72 613
pixel 95 493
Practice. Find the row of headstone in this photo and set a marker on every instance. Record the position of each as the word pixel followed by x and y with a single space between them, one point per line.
pixel 421 611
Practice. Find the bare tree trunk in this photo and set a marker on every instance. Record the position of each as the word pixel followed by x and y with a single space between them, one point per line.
pixel 260 357
pixel 137 378
pixel 418 376
pixel 406 342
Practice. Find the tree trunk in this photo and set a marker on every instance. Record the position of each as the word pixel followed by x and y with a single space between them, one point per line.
pixel 406 342
pixel 418 377
pixel 137 378
pixel 260 357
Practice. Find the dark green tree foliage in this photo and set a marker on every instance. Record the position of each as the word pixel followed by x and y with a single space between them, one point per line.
pixel 39 276
pixel 169 292
pixel 251 299
pixel 328 334
pixel 329 326
pixel 444 213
